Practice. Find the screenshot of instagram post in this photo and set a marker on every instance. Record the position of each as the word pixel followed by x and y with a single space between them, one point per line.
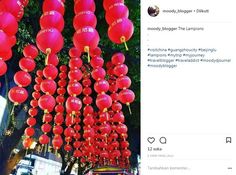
pixel 188 87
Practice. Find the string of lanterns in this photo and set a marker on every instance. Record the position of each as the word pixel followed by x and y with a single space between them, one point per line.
pixel 86 94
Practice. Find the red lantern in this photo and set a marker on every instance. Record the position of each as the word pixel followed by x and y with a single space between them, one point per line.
pixel 103 101
pixel 18 95
pixel 120 70
pixel 57 142
pixel 27 142
pixel 119 117
pixel 87 91
pixel 84 18
pixel 44 139
pixel 123 82
pixel 126 153
pixel 8 23
pixel 47 103
pixel 15 7
pixel 108 3
pixel 3 66
pixel 75 63
pixel 74 52
pixel 120 31
pixel 57 5
pixel 47 118
pixel 118 58
pixel 74 88
pixel 96 52
pixel 73 104
pixel 29 132
pixel 104 117
pixel 75 75
pixel 81 5
pixel 104 154
pixel 59 119
pixel 24 2
pixel 116 11
pixel 105 129
pixel 22 78
pixel 6 55
pixel 33 112
pixel 101 86
pixel 77 144
pixel 96 62
pixel 124 144
pixel 69 132
pixel 27 64
pixel 47 38
pixel 31 121
pixel 50 72
pixel 53 59
pixel 121 129
pixel 88 132
pixel 5 45
pixel 88 120
pixel 52 19
pixel 48 86
pixel 126 96
pixel 86 39
pixel 67 147
pixel 98 73
pixel 30 51
pixel 46 128
pixel 77 153
pixel 34 103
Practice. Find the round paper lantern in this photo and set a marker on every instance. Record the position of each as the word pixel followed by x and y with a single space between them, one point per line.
pixel 27 142
pixel 118 58
pixel 22 78
pixel 86 39
pixel 47 103
pixel 75 75
pixel 29 132
pixel 31 121
pixel 126 153
pixel 96 52
pixel 59 119
pixel 77 153
pixel 52 19
pixel 6 55
pixel 120 31
pixel 18 95
pixel 3 66
pixel 74 52
pixel 30 51
pixel 119 118
pixel 75 63
pixel 104 154
pixel 116 11
pixel 74 88
pixel 34 103
pixel 121 129
pixel 88 120
pixel 46 128
pixel 67 148
pixel 88 133
pixel 123 82
pixel 103 101
pixel 49 40
pixel 77 144
pixel 120 70
pixel 44 139
pixel 82 5
pixel 27 64
pixel 101 86
pixel 98 73
pixel 73 105
pixel 124 144
pixel 87 91
pixel 105 129
pixel 57 142
pixel 47 118
pixel 15 7
pixel 69 132
pixel 104 117
pixel 33 112
pixel 50 72
pixel 8 23
pixel 48 86
pixel 126 96
pixel 57 5
pixel 87 100
pixel 4 44
pixel 108 3
pixel 84 18
pixel 53 59
pixel 96 62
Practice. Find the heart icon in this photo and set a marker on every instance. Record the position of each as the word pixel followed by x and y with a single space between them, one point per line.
pixel 151 140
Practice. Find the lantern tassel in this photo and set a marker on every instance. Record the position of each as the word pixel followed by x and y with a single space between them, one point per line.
pixel 26 152
pixel 48 51
pixel 86 49
pixel 130 112
pixel 45 150
pixel 122 39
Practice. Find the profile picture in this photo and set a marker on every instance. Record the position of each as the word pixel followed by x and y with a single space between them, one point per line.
pixel 153 10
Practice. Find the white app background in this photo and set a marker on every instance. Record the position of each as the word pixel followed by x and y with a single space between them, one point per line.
pixel 193 104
